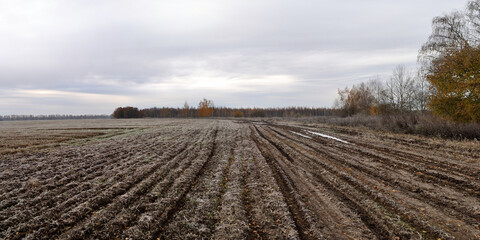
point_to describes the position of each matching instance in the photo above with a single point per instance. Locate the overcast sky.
(91, 56)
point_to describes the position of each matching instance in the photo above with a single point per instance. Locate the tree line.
(170, 112)
(447, 83)
(206, 108)
(404, 91)
(51, 117)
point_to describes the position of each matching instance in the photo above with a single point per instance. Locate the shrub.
(238, 114)
(425, 124)
(128, 112)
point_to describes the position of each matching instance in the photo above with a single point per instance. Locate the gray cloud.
(59, 54)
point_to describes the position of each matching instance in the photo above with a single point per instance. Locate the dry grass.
(414, 123)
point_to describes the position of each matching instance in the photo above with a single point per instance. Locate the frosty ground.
(232, 179)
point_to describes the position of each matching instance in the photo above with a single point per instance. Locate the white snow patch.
(299, 134)
(327, 136)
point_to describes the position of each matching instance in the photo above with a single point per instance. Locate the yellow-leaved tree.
(205, 108)
(456, 81)
(451, 63)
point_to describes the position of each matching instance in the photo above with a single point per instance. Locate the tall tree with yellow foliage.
(205, 108)
(456, 78)
(451, 64)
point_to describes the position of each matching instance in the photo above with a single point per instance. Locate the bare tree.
(451, 33)
(186, 110)
(377, 89)
(422, 91)
(473, 23)
(400, 89)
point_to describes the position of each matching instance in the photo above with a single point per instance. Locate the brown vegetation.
(423, 124)
(238, 114)
(127, 112)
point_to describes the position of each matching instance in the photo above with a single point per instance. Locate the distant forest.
(50, 117)
(211, 111)
(189, 112)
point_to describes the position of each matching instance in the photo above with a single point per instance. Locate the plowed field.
(225, 179)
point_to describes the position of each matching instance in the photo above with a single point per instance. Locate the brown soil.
(220, 179)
